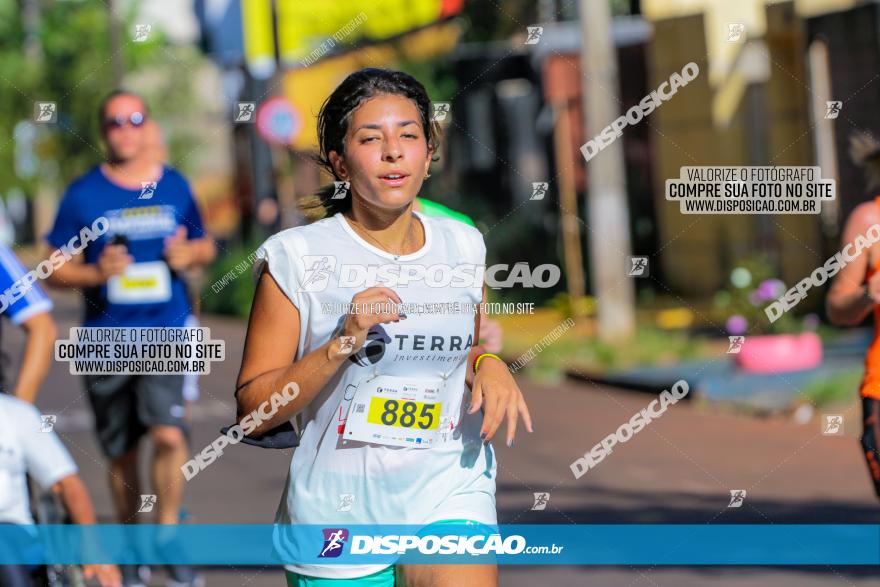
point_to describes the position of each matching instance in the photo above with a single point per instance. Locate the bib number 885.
(404, 414)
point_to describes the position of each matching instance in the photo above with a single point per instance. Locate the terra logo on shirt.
(373, 349)
(378, 340)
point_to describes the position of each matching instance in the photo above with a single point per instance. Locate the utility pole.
(609, 236)
(568, 204)
(116, 65)
(30, 16)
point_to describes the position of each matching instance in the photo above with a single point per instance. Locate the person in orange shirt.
(855, 293)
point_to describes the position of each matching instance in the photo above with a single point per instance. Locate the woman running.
(390, 434)
(855, 293)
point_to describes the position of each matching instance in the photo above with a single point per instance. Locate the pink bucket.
(778, 353)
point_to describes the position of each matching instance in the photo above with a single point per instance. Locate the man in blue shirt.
(129, 276)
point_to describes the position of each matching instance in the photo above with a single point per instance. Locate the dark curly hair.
(335, 116)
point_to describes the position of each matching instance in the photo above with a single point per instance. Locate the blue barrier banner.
(523, 544)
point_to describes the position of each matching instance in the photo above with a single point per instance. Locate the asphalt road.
(680, 469)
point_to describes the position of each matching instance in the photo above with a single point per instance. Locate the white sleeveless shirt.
(338, 482)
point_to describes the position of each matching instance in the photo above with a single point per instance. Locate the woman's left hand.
(495, 388)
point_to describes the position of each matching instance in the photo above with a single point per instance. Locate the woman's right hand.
(113, 260)
(374, 305)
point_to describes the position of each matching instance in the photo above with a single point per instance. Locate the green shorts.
(387, 577)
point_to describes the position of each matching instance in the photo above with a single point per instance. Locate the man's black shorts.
(126, 406)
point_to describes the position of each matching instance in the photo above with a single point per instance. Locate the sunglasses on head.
(136, 119)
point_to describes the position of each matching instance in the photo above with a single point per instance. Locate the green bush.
(840, 387)
(233, 296)
(650, 346)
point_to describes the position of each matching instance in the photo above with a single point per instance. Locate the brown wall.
(698, 251)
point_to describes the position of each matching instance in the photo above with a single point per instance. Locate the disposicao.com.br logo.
(334, 542)
(432, 544)
(322, 271)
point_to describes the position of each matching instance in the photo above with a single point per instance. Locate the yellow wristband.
(480, 358)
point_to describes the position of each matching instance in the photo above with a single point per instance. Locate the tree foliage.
(67, 59)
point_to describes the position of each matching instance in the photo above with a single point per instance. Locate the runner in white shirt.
(28, 446)
(386, 433)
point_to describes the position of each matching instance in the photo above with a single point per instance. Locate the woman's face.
(386, 152)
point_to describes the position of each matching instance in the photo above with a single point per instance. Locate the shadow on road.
(650, 507)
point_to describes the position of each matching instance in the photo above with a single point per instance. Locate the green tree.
(69, 62)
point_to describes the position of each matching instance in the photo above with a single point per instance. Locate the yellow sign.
(307, 27)
(259, 40)
(308, 87)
